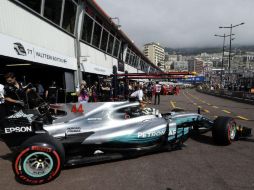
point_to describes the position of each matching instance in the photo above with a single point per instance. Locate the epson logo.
(18, 130)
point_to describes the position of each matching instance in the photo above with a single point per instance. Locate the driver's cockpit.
(132, 112)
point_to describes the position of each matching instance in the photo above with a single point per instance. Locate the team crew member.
(150, 92)
(138, 93)
(14, 94)
(157, 90)
(2, 106)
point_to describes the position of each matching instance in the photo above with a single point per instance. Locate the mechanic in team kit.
(2, 105)
(15, 95)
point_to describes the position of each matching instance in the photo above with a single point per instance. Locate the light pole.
(223, 50)
(231, 28)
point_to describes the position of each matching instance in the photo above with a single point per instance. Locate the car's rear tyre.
(224, 130)
(40, 160)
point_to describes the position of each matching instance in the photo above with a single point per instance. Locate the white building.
(64, 41)
(155, 53)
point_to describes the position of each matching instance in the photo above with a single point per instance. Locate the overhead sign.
(198, 79)
(19, 49)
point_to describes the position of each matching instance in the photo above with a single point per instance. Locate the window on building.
(96, 35)
(127, 56)
(116, 48)
(139, 63)
(52, 10)
(87, 29)
(69, 16)
(134, 61)
(33, 4)
(104, 40)
(110, 44)
(142, 66)
(121, 50)
(131, 59)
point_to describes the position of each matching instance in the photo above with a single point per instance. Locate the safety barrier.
(238, 96)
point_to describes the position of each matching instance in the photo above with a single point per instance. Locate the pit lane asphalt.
(199, 165)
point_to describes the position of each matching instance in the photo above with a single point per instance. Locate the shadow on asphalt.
(209, 139)
(247, 140)
(203, 139)
(8, 156)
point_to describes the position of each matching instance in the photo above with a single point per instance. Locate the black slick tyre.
(39, 160)
(224, 130)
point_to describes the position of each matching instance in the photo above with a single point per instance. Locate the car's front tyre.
(39, 161)
(224, 130)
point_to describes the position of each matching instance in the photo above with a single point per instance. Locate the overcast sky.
(183, 23)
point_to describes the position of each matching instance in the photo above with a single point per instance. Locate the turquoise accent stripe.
(37, 175)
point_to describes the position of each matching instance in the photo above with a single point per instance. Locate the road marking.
(215, 107)
(226, 111)
(215, 116)
(195, 104)
(199, 99)
(243, 118)
(207, 111)
(173, 104)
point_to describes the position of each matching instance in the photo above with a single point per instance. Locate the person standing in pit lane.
(138, 93)
(15, 95)
(2, 106)
(157, 92)
(83, 92)
(150, 92)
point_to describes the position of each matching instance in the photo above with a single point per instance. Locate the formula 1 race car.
(84, 133)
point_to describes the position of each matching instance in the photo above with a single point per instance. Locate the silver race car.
(45, 139)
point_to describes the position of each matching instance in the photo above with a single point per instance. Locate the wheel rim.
(232, 131)
(38, 164)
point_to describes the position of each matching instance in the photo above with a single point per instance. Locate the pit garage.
(31, 72)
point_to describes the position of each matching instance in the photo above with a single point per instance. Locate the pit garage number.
(77, 109)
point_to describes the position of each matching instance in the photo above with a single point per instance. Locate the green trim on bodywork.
(38, 175)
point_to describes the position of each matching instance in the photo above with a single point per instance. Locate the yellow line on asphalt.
(172, 104)
(207, 111)
(243, 118)
(197, 98)
(226, 111)
(215, 107)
